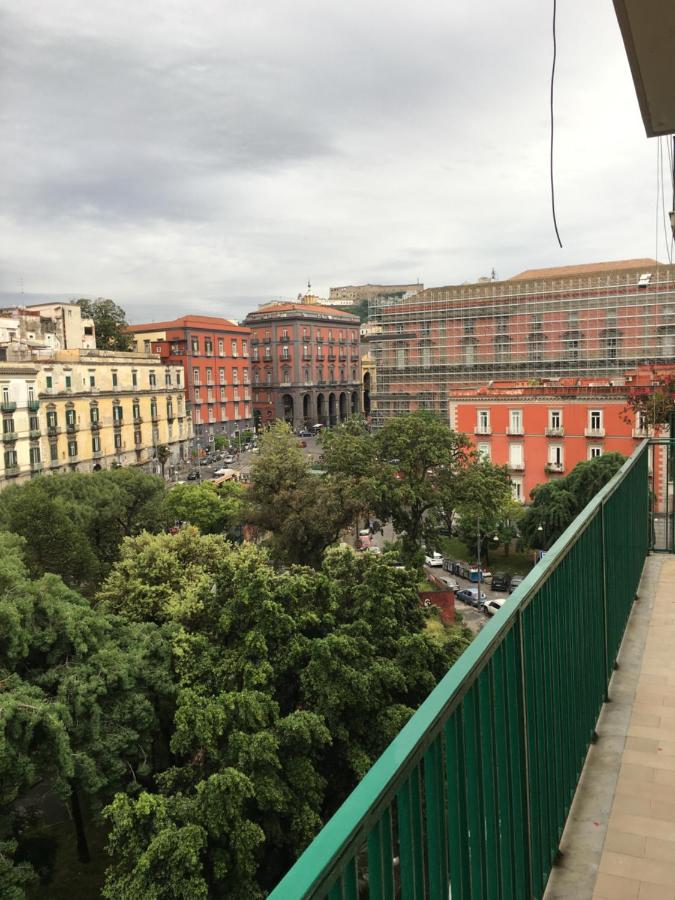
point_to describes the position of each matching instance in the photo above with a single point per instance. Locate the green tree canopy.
(289, 685)
(556, 503)
(654, 403)
(109, 321)
(211, 509)
(75, 523)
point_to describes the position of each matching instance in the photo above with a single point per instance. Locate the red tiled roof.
(308, 307)
(586, 269)
(215, 322)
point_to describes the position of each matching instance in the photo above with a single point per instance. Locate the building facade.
(84, 410)
(305, 364)
(43, 329)
(351, 294)
(595, 320)
(214, 354)
(541, 431)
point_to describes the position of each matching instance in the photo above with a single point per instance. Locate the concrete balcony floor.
(619, 842)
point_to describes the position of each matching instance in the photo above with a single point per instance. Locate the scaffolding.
(578, 326)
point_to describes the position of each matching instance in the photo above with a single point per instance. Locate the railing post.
(605, 611)
(526, 754)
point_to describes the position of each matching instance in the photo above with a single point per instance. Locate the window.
(118, 441)
(178, 377)
(256, 354)
(594, 452)
(69, 382)
(33, 423)
(11, 459)
(319, 352)
(70, 417)
(208, 346)
(426, 357)
(195, 376)
(34, 454)
(287, 376)
(31, 394)
(146, 346)
(236, 410)
(136, 410)
(517, 489)
(246, 376)
(284, 334)
(401, 358)
(118, 413)
(234, 348)
(235, 376)
(469, 352)
(54, 451)
(256, 377)
(195, 345)
(7, 425)
(483, 450)
(72, 449)
(483, 422)
(554, 418)
(244, 348)
(96, 444)
(516, 421)
(114, 379)
(134, 379)
(221, 347)
(268, 352)
(306, 376)
(555, 455)
(93, 414)
(138, 439)
(209, 375)
(284, 353)
(50, 382)
(269, 378)
(595, 419)
(5, 395)
(222, 393)
(52, 420)
(92, 381)
(611, 346)
(167, 378)
(516, 456)
(221, 376)
(153, 409)
(153, 380)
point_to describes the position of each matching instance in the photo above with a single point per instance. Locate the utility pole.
(478, 554)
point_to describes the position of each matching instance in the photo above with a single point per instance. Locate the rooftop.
(314, 310)
(618, 265)
(186, 322)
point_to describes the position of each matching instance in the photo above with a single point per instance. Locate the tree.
(211, 509)
(74, 524)
(654, 403)
(556, 504)
(109, 321)
(289, 685)
(82, 691)
(163, 456)
(299, 513)
(483, 502)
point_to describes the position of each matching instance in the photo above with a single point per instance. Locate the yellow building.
(368, 369)
(104, 408)
(84, 410)
(21, 429)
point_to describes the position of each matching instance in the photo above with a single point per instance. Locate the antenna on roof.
(309, 286)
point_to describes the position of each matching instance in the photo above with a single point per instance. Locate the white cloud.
(210, 156)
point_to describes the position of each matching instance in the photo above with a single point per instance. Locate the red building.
(305, 363)
(542, 430)
(214, 353)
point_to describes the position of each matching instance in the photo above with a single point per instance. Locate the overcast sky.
(210, 155)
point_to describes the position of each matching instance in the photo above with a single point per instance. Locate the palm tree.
(163, 455)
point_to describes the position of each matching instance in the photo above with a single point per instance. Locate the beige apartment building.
(83, 409)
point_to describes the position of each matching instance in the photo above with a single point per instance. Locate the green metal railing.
(471, 798)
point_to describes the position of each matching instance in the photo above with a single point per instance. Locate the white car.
(493, 606)
(223, 471)
(434, 559)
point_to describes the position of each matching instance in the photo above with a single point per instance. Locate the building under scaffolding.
(599, 319)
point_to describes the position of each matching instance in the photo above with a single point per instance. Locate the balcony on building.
(9, 437)
(515, 432)
(554, 468)
(594, 432)
(8, 407)
(516, 466)
(33, 405)
(37, 466)
(482, 429)
(95, 424)
(640, 433)
(473, 795)
(53, 430)
(11, 471)
(554, 432)
(34, 433)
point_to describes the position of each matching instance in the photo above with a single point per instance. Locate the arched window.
(287, 376)
(353, 374)
(306, 376)
(256, 376)
(331, 374)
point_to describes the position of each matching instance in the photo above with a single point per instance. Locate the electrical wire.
(555, 53)
(666, 225)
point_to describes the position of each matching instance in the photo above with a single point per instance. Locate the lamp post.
(478, 552)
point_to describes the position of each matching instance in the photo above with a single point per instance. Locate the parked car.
(306, 433)
(472, 597)
(493, 606)
(228, 460)
(515, 581)
(434, 559)
(205, 461)
(501, 581)
(194, 476)
(450, 583)
(223, 470)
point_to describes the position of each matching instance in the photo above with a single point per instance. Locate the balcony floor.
(619, 843)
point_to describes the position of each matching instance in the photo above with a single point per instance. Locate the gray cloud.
(213, 155)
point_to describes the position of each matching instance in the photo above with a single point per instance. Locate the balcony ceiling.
(648, 29)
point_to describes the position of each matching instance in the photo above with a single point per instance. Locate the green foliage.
(483, 504)
(654, 403)
(163, 456)
(209, 508)
(82, 692)
(75, 523)
(109, 321)
(557, 503)
(289, 685)
(299, 514)
(220, 442)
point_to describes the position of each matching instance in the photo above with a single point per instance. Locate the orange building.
(541, 430)
(214, 353)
